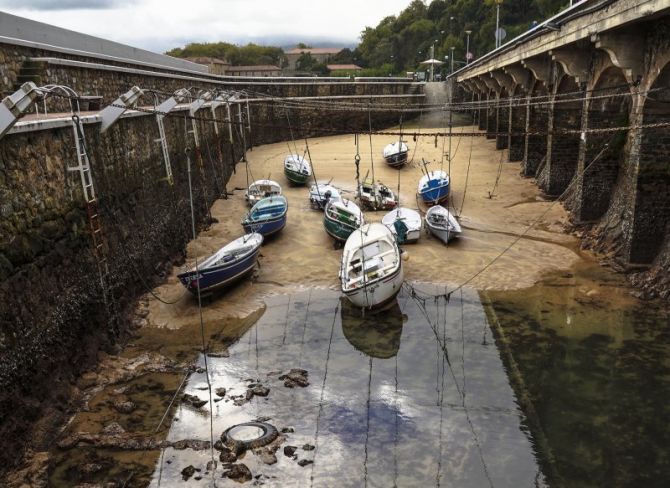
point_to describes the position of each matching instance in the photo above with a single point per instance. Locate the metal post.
(452, 58)
(467, 48)
(432, 56)
(497, 36)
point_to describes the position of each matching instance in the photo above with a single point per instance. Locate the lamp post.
(467, 47)
(452, 57)
(498, 40)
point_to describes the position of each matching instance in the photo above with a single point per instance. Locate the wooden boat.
(371, 270)
(442, 223)
(321, 193)
(260, 189)
(267, 217)
(297, 169)
(229, 264)
(341, 218)
(406, 220)
(395, 154)
(376, 196)
(434, 187)
(376, 334)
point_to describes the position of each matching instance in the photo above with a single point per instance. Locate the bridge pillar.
(537, 123)
(521, 78)
(491, 109)
(506, 84)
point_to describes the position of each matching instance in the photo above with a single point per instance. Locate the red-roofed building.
(321, 54)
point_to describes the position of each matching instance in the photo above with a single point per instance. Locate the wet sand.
(303, 255)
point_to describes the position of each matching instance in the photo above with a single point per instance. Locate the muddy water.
(550, 374)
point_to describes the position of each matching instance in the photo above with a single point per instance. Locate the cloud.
(62, 4)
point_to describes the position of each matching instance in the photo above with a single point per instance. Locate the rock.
(227, 456)
(211, 465)
(289, 451)
(266, 456)
(287, 430)
(238, 472)
(305, 462)
(90, 468)
(187, 472)
(113, 429)
(193, 400)
(220, 392)
(295, 377)
(308, 447)
(218, 445)
(261, 391)
(125, 406)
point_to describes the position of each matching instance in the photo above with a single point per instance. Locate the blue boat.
(434, 187)
(229, 264)
(267, 217)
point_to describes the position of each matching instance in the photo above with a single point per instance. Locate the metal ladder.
(92, 210)
(162, 140)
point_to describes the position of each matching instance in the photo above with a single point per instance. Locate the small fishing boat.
(341, 218)
(267, 217)
(297, 169)
(321, 193)
(404, 223)
(371, 271)
(442, 223)
(434, 187)
(376, 196)
(260, 189)
(227, 265)
(395, 154)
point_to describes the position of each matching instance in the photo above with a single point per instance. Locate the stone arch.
(538, 120)
(563, 153)
(502, 119)
(517, 124)
(651, 217)
(613, 111)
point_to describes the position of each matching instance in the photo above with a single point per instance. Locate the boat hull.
(218, 277)
(442, 234)
(296, 177)
(396, 160)
(267, 227)
(337, 230)
(377, 293)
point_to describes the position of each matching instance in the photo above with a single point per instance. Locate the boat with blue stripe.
(267, 217)
(229, 264)
(434, 187)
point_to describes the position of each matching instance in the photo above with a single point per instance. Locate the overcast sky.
(159, 25)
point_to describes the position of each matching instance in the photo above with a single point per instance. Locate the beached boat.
(267, 216)
(434, 187)
(297, 169)
(376, 196)
(321, 194)
(395, 154)
(442, 223)
(341, 218)
(260, 189)
(404, 223)
(229, 264)
(375, 333)
(371, 270)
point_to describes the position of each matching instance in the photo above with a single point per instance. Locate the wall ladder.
(162, 140)
(93, 212)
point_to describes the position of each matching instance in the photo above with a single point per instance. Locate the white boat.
(371, 271)
(321, 194)
(297, 169)
(376, 196)
(411, 220)
(395, 154)
(260, 189)
(442, 223)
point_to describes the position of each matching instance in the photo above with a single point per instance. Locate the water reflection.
(377, 333)
(410, 397)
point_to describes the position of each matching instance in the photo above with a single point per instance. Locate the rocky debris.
(211, 466)
(238, 472)
(289, 451)
(305, 462)
(266, 456)
(260, 390)
(220, 354)
(193, 400)
(308, 447)
(187, 472)
(89, 469)
(287, 430)
(194, 444)
(220, 392)
(295, 377)
(124, 406)
(227, 456)
(113, 429)
(112, 437)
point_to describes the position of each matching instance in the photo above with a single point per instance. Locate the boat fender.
(404, 255)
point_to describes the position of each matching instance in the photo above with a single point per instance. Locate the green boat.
(297, 169)
(341, 218)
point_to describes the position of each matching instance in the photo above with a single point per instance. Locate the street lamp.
(467, 47)
(497, 34)
(452, 57)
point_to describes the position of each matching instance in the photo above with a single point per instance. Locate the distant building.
(343, 69)
(321, 54)
(216, 66)
(258, 70)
